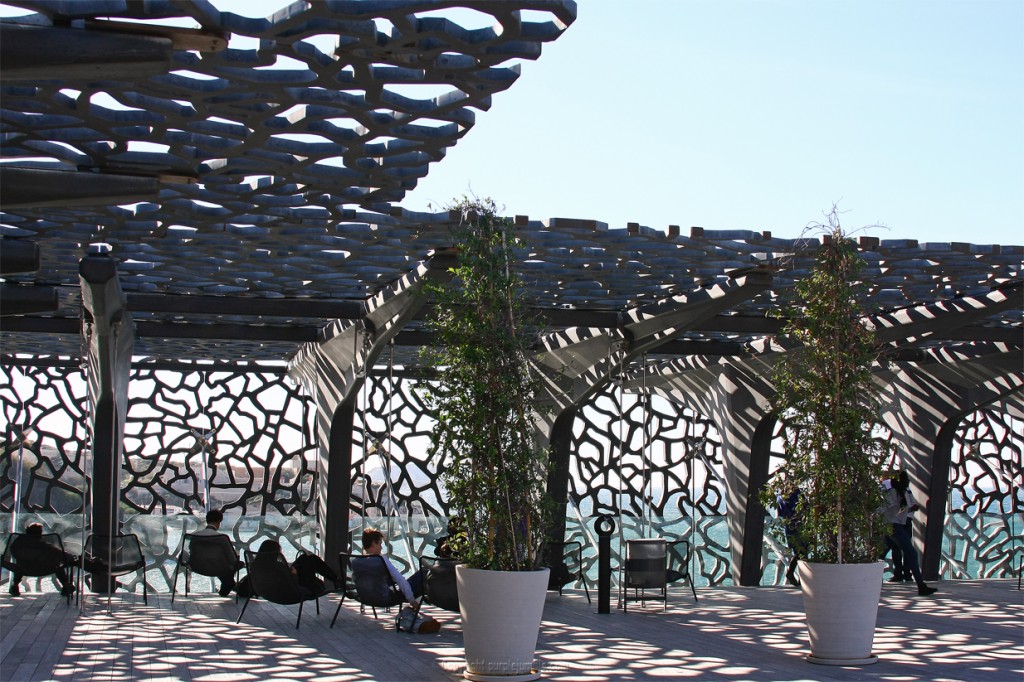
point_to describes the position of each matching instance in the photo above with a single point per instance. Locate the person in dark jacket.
(214, 518)
(309, 570)
(899, 504)
(31, 548)
(789, 513)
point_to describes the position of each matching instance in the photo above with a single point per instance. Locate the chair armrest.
(571, 548)
(684, 556)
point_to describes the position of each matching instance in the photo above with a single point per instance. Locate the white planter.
(501, 614)
(841, 605)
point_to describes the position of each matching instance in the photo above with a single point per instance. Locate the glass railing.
(708, 538)
(987, 545)
(982, 545)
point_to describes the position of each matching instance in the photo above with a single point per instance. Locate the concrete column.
(335, 480)
(558, 483)
(110, 336)
(334, 369)
(737, 403)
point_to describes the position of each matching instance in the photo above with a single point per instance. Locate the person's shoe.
(224, 592)
(15, 590)
(896, 579)
(923, 590)
(67, 591)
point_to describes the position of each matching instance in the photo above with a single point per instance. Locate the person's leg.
(227, 583)
(416, 583)
(308, 567)
(791, 571)
(305, 572)
(902, 539)
(15, 588)
(898, 568)
(890, 544)
(907, 575)
(791, 540)
(64, 581)
(318, 565)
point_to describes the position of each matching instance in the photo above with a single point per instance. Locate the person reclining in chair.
(307, 568)
(412, 589)
(214, 518)
(30, 548)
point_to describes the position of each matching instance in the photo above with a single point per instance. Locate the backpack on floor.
(410, 620)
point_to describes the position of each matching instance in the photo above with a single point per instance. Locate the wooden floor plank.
(971, 630)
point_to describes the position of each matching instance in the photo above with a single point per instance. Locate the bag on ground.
(409, 620)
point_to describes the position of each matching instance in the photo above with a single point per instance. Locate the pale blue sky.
(744, 114)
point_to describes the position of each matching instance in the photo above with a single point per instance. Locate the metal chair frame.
(574, 550)
(646, 568)
(429, 566)
(116, 556)
(185, 560)
(41, 567)
(350, 585)
(292, 591)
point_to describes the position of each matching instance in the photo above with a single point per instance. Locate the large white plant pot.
(841, 605)
(501, 614)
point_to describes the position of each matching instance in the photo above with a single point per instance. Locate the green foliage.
(828, 400)
(484, 399)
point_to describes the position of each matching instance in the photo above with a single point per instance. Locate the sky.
(760, 115)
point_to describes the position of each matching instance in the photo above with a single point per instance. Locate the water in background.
(975, 544)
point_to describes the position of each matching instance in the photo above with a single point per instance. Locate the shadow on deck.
(971, 630)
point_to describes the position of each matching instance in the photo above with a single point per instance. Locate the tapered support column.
(334, 369)
(739, 409)
(110, 336)
(336, 480)
(558, 482)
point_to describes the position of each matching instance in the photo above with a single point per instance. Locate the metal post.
(605, 526)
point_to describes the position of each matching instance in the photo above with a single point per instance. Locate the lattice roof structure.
(247, 175)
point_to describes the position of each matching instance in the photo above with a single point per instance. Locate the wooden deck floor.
(971, 630)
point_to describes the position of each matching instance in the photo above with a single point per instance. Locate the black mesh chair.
(38, 556)
(211, 555)
(367, 580)
(109, 556)
(440, 587)
(646, 571)
(271, 578)
(570, 569)
(679, 564)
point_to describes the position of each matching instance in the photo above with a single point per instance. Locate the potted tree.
(826, 397)
(484, 398)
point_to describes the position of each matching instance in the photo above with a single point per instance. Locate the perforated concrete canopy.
(247, 174)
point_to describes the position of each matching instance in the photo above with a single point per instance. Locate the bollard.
(604, 526)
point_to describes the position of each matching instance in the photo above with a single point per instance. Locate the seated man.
(31, 548)
(412, 589)
(214, 518)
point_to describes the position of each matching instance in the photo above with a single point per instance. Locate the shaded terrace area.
(245, 224)
(970, 631)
